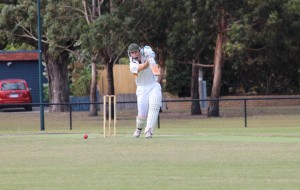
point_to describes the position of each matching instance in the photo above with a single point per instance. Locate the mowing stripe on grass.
(234, 138)
(181, 136)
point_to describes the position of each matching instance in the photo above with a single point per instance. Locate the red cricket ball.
(85, 136)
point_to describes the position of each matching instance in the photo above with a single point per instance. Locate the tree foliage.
(19, 22)
(264, 48)
(259, 49)
(81, 81)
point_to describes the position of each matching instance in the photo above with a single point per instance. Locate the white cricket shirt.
(144, 77)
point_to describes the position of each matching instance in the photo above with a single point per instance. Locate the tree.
(221, 13)
(188, 39)
(90, 10)
(266, 41)
(254, 43)
(154, 28)
(107, 36)
(58, 37)
(213, 108)
(191, 36)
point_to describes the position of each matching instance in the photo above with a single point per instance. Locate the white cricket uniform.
(146, 86)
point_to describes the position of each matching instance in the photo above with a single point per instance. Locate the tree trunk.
(110, 85)
(161, 63)
(195, 108)
(57, 70)
(93, 91)
(110, 78)
(213, 108)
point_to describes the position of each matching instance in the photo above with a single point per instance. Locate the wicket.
(109, 99)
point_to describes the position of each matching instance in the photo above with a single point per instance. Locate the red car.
(15, 91)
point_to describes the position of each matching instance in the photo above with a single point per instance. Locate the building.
(22, 65)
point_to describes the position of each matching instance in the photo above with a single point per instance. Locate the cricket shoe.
(137, 132)
(148, 134)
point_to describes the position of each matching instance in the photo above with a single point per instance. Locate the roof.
(11, 80)
(19, 55)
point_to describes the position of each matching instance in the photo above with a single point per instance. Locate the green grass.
(220, 158)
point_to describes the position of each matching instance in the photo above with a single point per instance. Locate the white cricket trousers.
(148, 96)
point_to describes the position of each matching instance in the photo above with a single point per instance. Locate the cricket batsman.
(149, 97)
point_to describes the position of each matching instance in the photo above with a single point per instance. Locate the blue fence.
(85, 100)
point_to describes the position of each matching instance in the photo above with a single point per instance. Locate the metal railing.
(238, 112)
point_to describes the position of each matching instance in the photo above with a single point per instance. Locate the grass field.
(213, 158)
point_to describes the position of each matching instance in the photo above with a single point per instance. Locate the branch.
(100, 2)
(229, 26)
(76, 9)
(29, 35)
(258, 49)
(119, 54)
(86, 12)
(196, 64)
(46, 42)
(27, 32)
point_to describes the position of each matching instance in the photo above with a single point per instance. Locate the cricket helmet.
(133, 47)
